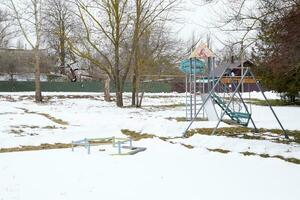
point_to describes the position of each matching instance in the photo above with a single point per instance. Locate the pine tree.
(277, 52)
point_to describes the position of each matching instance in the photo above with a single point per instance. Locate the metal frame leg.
(206, 99)
(231, 98)
(259, 87)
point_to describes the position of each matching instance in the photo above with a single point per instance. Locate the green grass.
(273, 102)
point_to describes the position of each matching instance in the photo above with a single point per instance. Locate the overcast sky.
(200, 20)
(195, 19)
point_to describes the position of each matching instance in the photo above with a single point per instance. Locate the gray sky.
(199, 20)
(194, 19)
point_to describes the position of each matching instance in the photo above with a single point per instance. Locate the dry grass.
(290, 160)
(36, 127)
(53, 119)
(249, 133)
(218, 150)
(136, 135)
(45, 146)
(183, 119)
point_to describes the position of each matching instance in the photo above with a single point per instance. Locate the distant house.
(234, 70)
(18, 64)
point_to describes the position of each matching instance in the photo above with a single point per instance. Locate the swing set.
(222, 92)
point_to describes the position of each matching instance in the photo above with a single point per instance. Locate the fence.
(87, 86)
(97, 86)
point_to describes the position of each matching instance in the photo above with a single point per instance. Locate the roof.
(217, 72)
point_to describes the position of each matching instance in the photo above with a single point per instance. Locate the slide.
(209, 108)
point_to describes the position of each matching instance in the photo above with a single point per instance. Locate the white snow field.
(166, 170)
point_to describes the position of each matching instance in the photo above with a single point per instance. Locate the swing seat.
(241, 118)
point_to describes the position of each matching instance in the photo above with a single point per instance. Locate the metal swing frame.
(236, 91)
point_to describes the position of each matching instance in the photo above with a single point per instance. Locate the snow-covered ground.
(163, 171)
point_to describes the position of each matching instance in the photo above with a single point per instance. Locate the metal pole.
(195, 92)
(242, 64)
(231, 98)
(259, 87)
(203, 91)
(186, 99)
(190, 89)
(119, 147)
(130, 142)
(255, 128)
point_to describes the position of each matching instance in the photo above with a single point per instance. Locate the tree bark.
(38, 93)
(107, 89)
(133, 90)
(119, 98)
(141, 100)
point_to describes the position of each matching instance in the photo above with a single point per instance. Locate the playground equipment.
(222, 92)
(119, 143)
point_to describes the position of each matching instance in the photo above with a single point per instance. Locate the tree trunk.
(137, 90)
(38, 93)
(141, 100)
(62, 49)
(133, 102)
(119, 98)
(107, 89)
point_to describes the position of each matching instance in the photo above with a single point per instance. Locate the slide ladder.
(241, 118)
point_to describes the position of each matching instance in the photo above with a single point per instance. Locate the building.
(18, 65)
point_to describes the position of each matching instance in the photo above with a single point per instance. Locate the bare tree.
(242, 19)
(59, 25)
(146, 14)
(159, 54)
(104, 26)
(113, 29)
(5, 31)
(29, 16)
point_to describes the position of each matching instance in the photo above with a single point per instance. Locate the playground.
(213, 142)
(230, 164)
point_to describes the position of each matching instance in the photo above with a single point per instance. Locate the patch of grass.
(273, 102)
(8, 113)
(247, 153)
(53, 127)
(165, 106)
(137, 135)
(248, 133)
(53, 119)
(291, 160)
(264, 155)
(183, 119)
(37, 127)
(16, 131)
(48, 98)
(187, 146)
(45, 146)
(163, 96)
(219, 150)
(7, 98)
(228, 131)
